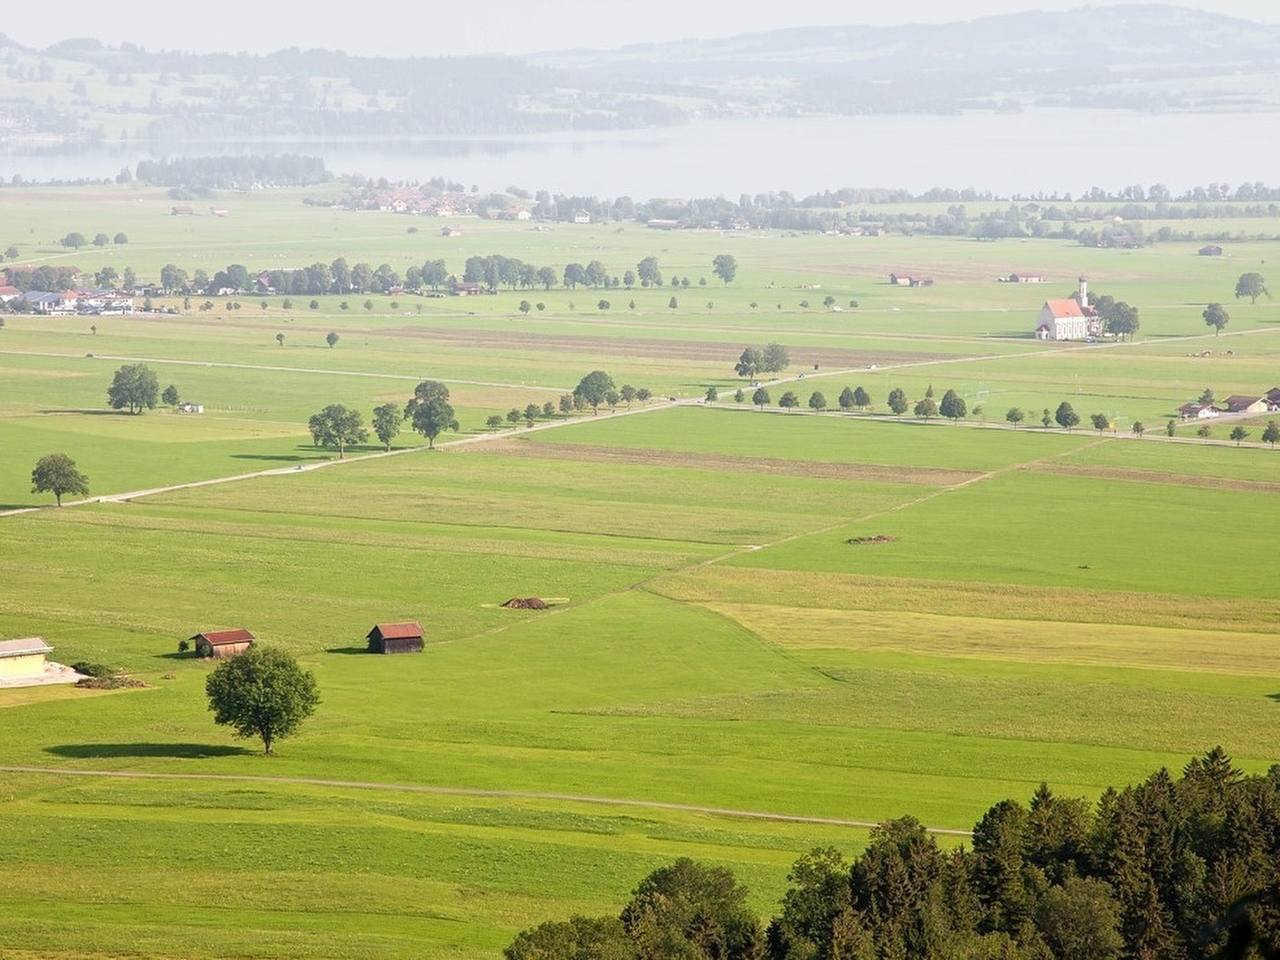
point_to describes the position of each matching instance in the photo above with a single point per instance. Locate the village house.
(1068, 319)
(1026, 278)
(8, 293)
(396, 638)
(222, 643)
(1198, 411)
(23, 659)
(581, 216)
(1246, 403)
(901, 278)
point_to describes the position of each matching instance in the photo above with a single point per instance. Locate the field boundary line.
(472, 792)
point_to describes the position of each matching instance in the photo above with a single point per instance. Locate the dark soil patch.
(877, 538)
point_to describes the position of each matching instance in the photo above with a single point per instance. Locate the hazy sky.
(397, 28)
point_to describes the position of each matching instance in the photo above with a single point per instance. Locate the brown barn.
(222, 643)
(396, 638)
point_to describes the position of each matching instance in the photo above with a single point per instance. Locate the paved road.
(470, 792)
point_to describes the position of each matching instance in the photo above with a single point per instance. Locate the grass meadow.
(1077, 608)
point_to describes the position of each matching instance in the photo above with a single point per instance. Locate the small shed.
(20, 659)
(1210, 250)
(396, 637)
(222, 643)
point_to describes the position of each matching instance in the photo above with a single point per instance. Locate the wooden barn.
(396, 638)
(23, 659)
(222, 643)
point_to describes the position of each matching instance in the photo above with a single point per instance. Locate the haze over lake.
(1039, 151)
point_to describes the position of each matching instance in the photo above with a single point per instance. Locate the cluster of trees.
(76, 240)
(771, 358)
(200, 174)
(1184, 868)
(53, 279)
(1117, 316)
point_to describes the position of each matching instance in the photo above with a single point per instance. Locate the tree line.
(1174, 868)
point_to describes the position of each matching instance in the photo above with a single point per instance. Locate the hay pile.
(525, 603)
(878, 538)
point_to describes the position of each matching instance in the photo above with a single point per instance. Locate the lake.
(1040, 151)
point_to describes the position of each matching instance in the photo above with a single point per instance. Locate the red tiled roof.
(1064, 308)
(216, 637)
(399, 631)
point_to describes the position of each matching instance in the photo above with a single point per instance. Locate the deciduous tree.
(56, 473)
(1251, 285)
(1272, 433)
(1100, 421)
(952, 406)
(386, 423)
(817, 402)
(1216, 316)
(331, 338)
(430, 411)
(749, 363)
(760, 398)
(594, 388)
(134, 386)
(1065, 416)
(262, 693)
(725, 266)
(1015, 416)
(926, 408)
(1239, 433)
(337, 426)
(898, 401)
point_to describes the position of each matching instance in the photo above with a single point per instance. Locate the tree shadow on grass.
(279, 457)
(348, 651)
(92, 413)
(1274, 696)
(105, 751)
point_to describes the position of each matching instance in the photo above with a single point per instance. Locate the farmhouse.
(581, 216)
(1198, 411)
(1246, 403)
(905, 279)
(8, 293)
(1026, 278)
(396, 638)
(222, 643)
(23, 659)
(1068, 319)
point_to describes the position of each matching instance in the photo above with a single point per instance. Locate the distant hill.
(1148, 57)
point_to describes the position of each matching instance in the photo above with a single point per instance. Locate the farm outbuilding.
(24, 658)
(222, 643)
(396, 637)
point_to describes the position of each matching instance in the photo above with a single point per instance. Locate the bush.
(99, 671)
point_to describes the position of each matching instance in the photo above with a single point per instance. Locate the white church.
(1068, 319)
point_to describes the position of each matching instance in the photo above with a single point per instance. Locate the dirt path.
(472, 792)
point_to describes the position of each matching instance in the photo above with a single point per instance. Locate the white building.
(1067, 319)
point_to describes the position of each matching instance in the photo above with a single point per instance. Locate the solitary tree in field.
(952, 406)
(1271, 434)
(594, 388)
(1215, 316)
(280, 339)
(262, 693)
(337, 426)
(134, 386)
(1251, 285)
(1239, 433)
(817, 402)
(725, 266)
(170, 396)
(898, 401)
(1100, 421)
(386, 423)
(1138, 429)
(331, 338)
(1015, 416)
(1066, 416)
(430, 412)
(56, 473)
(760, 398)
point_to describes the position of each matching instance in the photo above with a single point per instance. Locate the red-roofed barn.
(396, 638)
(222, 643)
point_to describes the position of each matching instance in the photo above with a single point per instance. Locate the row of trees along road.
(492, 271)
(1184, 868)
(431, 414)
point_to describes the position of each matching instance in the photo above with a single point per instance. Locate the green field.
(1071, 607)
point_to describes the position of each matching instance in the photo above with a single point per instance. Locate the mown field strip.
(473, 792)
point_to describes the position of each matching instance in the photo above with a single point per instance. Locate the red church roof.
(1064, 308)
